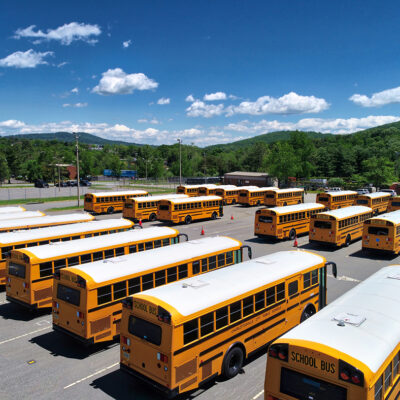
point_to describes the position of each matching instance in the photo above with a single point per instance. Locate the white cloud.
(60, 65)
(75, 105)
(388, 96)
(12, 123)
(215, 96)
(65, 34)
(116, 81)
(27, 59)
(200, 109)
(126, 44)
(163, 101)
(189, 98)
(75, 90)
(290, 103)
(153, 121)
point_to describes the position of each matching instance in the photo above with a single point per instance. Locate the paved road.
(36, 362)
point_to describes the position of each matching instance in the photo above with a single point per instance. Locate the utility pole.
(180, 162)
(77, 164)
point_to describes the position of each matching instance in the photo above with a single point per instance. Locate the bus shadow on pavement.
(318, 247)
(262, 240)
(370, 255)
(59, 345)
(19, 313)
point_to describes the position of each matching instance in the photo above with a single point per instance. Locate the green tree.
(282, 162)
(4, 170)
(379, 171)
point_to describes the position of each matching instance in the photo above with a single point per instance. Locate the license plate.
(126, 355)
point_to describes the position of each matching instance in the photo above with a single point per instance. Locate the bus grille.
(43, 293)
(185, 370)
(99, 325)
(189, 383)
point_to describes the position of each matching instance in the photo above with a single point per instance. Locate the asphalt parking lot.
(36, 362)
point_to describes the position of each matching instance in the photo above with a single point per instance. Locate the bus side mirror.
(183, 235)
(334, 268)
(249, 251)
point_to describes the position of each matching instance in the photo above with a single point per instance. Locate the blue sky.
(204, 71)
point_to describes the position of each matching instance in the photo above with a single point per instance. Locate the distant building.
(242, 178)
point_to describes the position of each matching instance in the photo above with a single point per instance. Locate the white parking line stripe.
(258, 395)
(345, 278)
(26, 334)
(89, 376)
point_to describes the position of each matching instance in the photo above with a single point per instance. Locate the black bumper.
(33, 307)
(160, 388)
(86, 342)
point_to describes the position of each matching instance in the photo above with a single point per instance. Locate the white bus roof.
(338, 193)
(59, 249)
(190, 186)
(209, 186)
(195, 294)
(158, 197)
(19, 215)
(45, 220)
(259, 189)
(60, 230)
(288, 190)
(375, 195)
(11, 209)
(193, 199)
(104, 270)
(227, 187)
(295, 208)
(377, 300)
(346, 212)
(247, 187)
(121, 193)
(393, 217)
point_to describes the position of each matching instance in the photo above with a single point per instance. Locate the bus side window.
(280, 292)
(260, 300)
(248, 306)
(271, 296)
(160, 278)
(65, 239)
(212, 262)
(140, 246)
(46, 269)
(190, 331)
(306, 280)
(147, 282)
(119, 290)
(133, 286)
(229, 257)
(98, 255)
(206, 324)
(171, 274)
(157, 243)
(104, 294)
(221, 317)
(149, 245)
(109, 253)
(196, 267)
(165, 242)
(60, 264)
(378, 388)
(221, 260)
(73, 261)
(132, 248)
(293, 288)
(204, 265)
(182, 271)
(314, 277)
(235, 311)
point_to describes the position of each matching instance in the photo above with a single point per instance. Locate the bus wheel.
(152, 217)
(233, 362)
(258, 202)
(233, 202)
(299, 202)
(110, 210)
(307, 313)
(188, 219)
(214, 215)
(348, 241)
(292, 234)
(285, 204)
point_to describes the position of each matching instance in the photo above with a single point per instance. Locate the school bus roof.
(122, 193)
(26, 223)
(393, 217)
(11, 209)
(377, 300)
(19, 215)
(104, 270)
(288, 190)
(375, 195)
(63, 249)
(195, 294)
(338, 193)
(247, 187)
(227, 187)
(258, 189)
(345, 212)
(54, 231)
(209, 186)
(295, 208)
(157, 198)
(194, 199)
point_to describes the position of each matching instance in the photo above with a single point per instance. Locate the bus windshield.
(264, 218)
(378, 230)
(16, 270)
(361, 201)
(302, 386)
(145, 330)
(164, 207)
(68, 294)
(323, 224)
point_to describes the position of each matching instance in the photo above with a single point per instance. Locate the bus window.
(235, 311)
(147, 282)
(196, 267)
(221, 317)
(145, 330)
(206, 324)
(85, 258)
(98, 255)
(45, 269)
(133, 286)
(190, 331)
(160, 278)
(73, 261)
(171, 274)
(104, 294)
(260, 300)
(141, 247)
(119, 290)
(212, 262)
(323, 224)
(109, 253)
(182, 271)
(204, 265)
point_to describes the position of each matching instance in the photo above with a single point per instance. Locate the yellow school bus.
(97, 289)
(43, 221)
(190, 190)
(38, 237)
(179, 336)
(348, 351)
(339, 227)
(378, 201)
(21, 215)
(145, 208)
(188, 210)
(109, 202)
(283, 197)
(228, 193)
(382, 233)
(253, 196)
(338, 199)
(394, 204)
(29, 276)
(285, 222)
(207, 190)
(6, 210)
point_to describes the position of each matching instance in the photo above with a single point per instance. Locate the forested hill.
(67, 137)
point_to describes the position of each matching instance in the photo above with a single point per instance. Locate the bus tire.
(348, 241)
(188, 219)
(214, 215)
(285, 204)
(110, 210)
(258, 203)
(292, 234)
(152, 217)
(233, 202)
(308, 312)
(233, 362)
(299, 202)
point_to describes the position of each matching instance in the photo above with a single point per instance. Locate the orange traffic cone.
(140, 223)
(295, 244)
(232, 217)
(202, 231)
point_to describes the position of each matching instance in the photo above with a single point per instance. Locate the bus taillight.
(162, 357)
(350, 374)
(55, 304)
(127, 303)
(80, 281)
(80, 314)
(125, 340)
(25, 285)
(279, 351)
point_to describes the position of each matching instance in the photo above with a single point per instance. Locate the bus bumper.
(378, 251)
(22, 303)
(160, 388)
(322, 243)
(86, 342)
